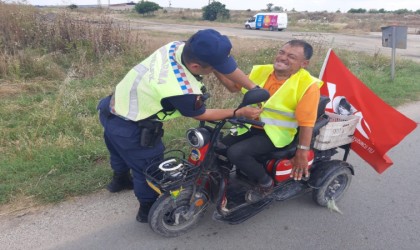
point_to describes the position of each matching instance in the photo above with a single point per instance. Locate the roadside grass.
(51, 145)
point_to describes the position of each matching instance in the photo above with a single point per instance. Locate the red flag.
(380, 127)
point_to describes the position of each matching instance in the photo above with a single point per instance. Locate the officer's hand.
(249, 112)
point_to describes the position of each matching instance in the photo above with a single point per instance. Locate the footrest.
(244, 213)
(289, 190)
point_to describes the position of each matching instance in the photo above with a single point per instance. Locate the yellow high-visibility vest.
(279, 110)
(138, 95)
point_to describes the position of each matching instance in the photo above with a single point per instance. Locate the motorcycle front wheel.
(171, 217)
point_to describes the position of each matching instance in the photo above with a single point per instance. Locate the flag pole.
(321, 73)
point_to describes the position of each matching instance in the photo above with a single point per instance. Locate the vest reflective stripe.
(289, 114)
(133, 104)
(285, 124)
(164, 69)
(139, 94)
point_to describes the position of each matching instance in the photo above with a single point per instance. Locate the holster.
(151, 132)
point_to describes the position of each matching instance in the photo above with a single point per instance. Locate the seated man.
(294, 97)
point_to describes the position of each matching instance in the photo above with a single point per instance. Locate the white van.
(271, 21)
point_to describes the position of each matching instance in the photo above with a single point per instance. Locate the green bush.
(72, 6)
(360, 10)
(215, 10)
(146, 7)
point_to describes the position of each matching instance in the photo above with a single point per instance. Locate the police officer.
(165, 85)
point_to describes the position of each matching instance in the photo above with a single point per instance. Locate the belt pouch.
(151, 132)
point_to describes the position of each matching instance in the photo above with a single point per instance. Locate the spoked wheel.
(172, 217)
(333, 188)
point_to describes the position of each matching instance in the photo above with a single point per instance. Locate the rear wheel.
(247, 27)
(333, 188)
(172, 217)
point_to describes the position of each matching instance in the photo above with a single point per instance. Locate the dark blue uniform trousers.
(122, 138)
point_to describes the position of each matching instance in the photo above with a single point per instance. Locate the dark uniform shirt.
(187, 105)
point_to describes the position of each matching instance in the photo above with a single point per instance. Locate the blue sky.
(299, 5)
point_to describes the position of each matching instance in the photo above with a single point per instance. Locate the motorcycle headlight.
(198, 137)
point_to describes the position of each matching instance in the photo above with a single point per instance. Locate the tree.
(278, 8)
(215, 10)
(402, 11)
(72, 6)
(360, 10)
(269, 6)
(373, 11)
(146, 7)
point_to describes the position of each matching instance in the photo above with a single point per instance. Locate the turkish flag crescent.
(380, 127)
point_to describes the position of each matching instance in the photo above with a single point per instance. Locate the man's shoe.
(259, 193)
(143, 213)
(120, 182)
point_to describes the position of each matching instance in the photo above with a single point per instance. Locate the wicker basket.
(339, 131)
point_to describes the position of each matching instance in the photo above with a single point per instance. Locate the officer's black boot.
(120, 182)
(143, 212)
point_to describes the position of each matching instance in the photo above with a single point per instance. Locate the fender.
(322, 170)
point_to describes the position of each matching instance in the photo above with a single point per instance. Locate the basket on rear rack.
(172, 172)
(338, 131)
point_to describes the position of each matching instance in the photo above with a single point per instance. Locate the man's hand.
(249, 112)
(300, 165)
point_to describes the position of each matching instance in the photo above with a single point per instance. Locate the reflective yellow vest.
(138, 95)
(279, 111)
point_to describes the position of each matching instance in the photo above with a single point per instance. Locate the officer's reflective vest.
(138, 95)
(279, 111)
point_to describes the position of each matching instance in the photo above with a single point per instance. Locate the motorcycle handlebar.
(243, 120)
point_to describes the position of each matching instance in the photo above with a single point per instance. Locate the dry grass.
(20, 206)
(29, 36)
(8, 89)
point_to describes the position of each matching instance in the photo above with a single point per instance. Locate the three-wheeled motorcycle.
(187, 184)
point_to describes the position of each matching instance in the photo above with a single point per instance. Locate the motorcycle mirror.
(254, 96)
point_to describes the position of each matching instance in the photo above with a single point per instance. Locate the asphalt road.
(378, 212)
